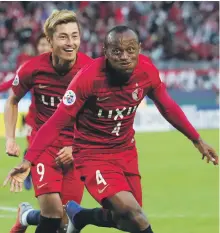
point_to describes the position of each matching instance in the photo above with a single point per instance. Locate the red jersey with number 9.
(48, 88)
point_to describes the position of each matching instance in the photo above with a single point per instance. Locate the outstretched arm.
(176, 117)
(172, 112)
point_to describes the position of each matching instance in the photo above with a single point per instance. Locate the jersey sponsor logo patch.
(137, 94)
(69, 98)
(15, 81)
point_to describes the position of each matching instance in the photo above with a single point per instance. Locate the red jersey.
(30, 117)
(48, 88)
(105, 114)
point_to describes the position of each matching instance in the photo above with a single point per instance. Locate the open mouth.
(68, 50)
(126, 64)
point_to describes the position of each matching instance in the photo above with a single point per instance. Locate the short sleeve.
(22, 82)
(78, 91)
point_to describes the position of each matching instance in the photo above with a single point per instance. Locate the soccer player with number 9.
(48, 75)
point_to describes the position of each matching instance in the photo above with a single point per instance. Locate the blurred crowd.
(186, 31)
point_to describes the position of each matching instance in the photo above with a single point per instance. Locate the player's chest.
(49, 90)
(119, 103)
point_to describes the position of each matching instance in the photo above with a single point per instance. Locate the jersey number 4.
(117, 129)
(99, 178)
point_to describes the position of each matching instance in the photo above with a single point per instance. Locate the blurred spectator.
(186, 31)
(27, 51)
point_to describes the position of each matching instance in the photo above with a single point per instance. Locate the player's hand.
(17, 176)
(12, 149)
(65, 156)
(207, 151)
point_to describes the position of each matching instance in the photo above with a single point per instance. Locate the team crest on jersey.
(15, 81)
(137, 94)
(69, 97)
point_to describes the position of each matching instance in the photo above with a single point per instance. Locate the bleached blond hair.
(59, 17)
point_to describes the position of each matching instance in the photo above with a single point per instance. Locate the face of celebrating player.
(43, 46)
(122, 50)
(65, 42)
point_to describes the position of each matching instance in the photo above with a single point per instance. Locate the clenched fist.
(12, 149)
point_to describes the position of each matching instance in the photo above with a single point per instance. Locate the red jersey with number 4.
(48, 88)
(105, 114)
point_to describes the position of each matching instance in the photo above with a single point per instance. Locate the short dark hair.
(41, 36)
(119, 29)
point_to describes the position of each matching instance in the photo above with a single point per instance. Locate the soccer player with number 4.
(101, 101)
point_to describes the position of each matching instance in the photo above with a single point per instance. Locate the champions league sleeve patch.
(15, 81)
(69, 98)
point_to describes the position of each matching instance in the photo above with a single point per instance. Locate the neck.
(60, 65)
(116, 77)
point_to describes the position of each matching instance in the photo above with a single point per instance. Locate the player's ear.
(49, 41)
(104, 51)
(140, 47)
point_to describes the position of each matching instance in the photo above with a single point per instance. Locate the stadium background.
(182, 39)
